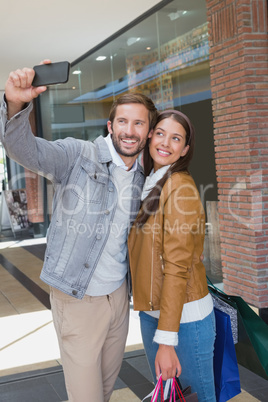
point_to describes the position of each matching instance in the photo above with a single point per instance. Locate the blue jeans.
(195, 352)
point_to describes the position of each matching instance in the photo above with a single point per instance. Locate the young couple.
(100, 184)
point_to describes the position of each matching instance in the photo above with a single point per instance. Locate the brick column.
(239, 83)
(34, 187)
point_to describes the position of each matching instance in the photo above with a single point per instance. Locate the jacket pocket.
(89, 183)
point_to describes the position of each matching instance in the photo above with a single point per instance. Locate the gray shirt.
(112, 266)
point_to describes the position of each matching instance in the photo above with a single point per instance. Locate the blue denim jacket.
(84, 201)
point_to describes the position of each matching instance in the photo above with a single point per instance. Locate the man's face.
(130, 129)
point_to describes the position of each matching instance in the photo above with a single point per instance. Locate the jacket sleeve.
(52, 159)
(181, 211)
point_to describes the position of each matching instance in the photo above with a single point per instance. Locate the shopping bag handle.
(215, 287)
(167, 387)
(164, 393)
(155, 391)
(175, 387)
(219, 293)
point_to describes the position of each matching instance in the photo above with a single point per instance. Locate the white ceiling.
(33, 30)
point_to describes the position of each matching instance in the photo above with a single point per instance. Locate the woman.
(165, 245)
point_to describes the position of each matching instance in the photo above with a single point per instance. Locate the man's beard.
(120, 151)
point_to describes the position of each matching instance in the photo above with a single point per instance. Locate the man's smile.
(129, 141)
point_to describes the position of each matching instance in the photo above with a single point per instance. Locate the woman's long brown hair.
(151, 202)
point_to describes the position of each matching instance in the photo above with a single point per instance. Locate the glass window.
(165, 56)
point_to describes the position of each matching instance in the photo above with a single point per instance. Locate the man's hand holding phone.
(26, 84)
(19, 89)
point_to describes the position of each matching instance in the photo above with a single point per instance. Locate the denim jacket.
(84, 202)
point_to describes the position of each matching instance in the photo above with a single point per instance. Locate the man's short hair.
(136, 98)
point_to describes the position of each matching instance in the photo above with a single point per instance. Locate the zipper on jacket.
(162, 262)
(152, 264)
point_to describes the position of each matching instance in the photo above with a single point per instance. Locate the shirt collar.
(117, 160)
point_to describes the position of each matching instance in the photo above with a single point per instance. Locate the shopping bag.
(177, 393)
(252, 346)
(226, 374)
(231, 310)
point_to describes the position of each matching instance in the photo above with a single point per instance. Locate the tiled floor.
(30, 368)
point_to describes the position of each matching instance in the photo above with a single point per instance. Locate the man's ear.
(109, 126)
(186, 149)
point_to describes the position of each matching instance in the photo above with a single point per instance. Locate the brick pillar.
(34, 187)
(239, 83)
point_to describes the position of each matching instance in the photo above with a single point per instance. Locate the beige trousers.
(92, 334)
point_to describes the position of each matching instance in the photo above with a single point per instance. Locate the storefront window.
(165, 56)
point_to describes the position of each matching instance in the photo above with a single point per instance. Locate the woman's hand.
(167, 362)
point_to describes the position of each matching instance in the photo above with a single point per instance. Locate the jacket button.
(98, 237)
(111, 189)
(74, 292)
(86, 265)
(107, 212)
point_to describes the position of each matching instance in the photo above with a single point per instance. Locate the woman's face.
(167, 143)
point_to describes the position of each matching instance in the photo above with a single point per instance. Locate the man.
(97, 196)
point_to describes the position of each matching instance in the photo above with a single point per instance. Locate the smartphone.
(50, 74)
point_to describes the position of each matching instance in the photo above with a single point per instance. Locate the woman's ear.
(186, 149)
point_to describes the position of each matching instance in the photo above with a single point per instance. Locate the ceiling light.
(132, 40)
(100, 58)
(148, 48)
(77, 72)
(178, 14)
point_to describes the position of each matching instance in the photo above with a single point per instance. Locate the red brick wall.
(34, 188)
(239, 83)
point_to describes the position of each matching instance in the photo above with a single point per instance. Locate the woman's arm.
(181, 215)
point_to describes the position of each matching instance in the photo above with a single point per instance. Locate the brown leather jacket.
(165, 253)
